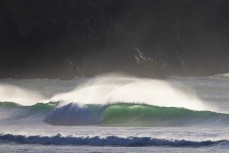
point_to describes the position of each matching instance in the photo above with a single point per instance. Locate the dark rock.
(147, 38)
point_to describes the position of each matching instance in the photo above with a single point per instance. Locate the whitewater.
(115, 113)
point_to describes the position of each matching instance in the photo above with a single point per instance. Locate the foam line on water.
(107, 141)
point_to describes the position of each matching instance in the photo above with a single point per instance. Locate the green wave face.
(37, 106)
(117, 114)
(13, 111)
(146, 115)
(9, 105)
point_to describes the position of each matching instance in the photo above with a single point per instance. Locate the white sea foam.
(224, 75)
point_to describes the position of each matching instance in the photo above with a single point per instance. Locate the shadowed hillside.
(146, 38)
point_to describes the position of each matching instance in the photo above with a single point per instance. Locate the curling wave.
(126, 114)
(106, 141)
(115, 114)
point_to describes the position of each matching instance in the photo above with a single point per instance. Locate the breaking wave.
(106, 141)
(125, 114)
(115, 114)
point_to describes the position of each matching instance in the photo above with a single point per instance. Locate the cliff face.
(148, 38)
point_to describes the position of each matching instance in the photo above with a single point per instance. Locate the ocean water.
(114, 113)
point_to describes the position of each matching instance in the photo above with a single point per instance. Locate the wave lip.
(107, 141)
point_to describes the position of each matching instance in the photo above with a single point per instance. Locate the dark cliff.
(146, 38)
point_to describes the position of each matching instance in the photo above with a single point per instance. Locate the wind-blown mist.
(12, 93)
(103, 90)
(112, 89)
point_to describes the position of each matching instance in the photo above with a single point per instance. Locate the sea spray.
(12, 93)
(99, 90)
(110, 89)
